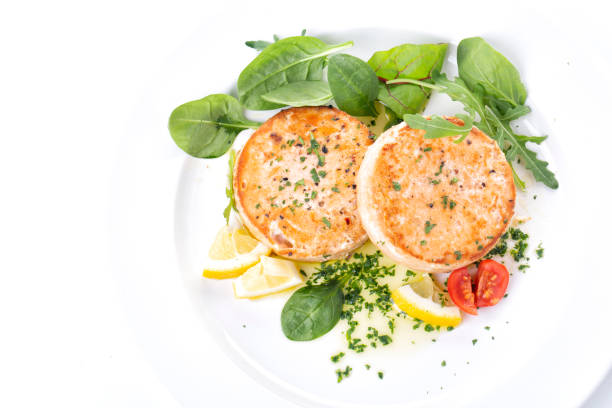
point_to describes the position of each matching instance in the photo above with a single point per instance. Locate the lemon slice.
(232, 253)
(270, 275)
(423, 300)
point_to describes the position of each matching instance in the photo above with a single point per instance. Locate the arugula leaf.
(515, 113)
(353, 84)
(514, 146)
(301, 93)
(488, 72)
(206, 128)
(312, 311)
(257, 45)
(458, 91)
(292, 59)
(437, 126)
(229, 190)
(406, 61)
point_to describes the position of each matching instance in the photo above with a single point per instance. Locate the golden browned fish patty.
(294, 183)
(431, 204)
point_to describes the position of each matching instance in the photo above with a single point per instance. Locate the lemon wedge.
(232, 253)
(270, 275)
(423, 300)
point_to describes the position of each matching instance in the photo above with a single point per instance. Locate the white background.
(71, 73)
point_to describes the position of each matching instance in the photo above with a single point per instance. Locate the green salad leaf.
(488, 72)
(403, 99)
(437, 127)
(353, 84)
(407, 61)
(514, 146)
(291, 59)
(301, 93)
(229, 190)
(207, 127)
(415, 61)
(260, 45)
(312, 311)
(257, 45)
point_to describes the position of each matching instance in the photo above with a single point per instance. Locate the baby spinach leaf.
(437, 127)
(407, 61)
(353, 84)
(514, 146)
(301, 93)
(488, 72)
(312, 311)
(292, 59)
(229, 190)
(207, 127)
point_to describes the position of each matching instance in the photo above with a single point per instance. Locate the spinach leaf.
(207, 127)
(407, 61)
(312, 311)
(301, 93)
(229, 190)
(514, 146)
(353, 84)
(292, 59)
(437, 127)
(488, 72)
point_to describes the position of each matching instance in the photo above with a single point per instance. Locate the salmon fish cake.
(432, 204)
(294, 183)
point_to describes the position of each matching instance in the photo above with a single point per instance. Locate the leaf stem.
(403, 81)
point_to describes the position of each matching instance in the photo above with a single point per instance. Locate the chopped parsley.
(457, 255)
(452, 204)
(429, 226)
(427, 149)
(474, 341)
(397, 186)
(423, 242)
(540, 251)
(297, 184)
(342, 374)
(335, 189)
(315, 176)
(326, 222)
(454, 180)
(337, 357)
(443, 364)
(381, 375)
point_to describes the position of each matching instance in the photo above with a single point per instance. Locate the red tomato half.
(460, 290)
(491, 283)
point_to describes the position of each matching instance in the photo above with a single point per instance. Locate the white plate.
(168, 207)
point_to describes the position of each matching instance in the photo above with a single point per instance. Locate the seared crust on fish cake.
(431, 204)
(294, 183)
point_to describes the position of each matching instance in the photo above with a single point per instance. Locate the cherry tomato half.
(491, 283)
(460, 290)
